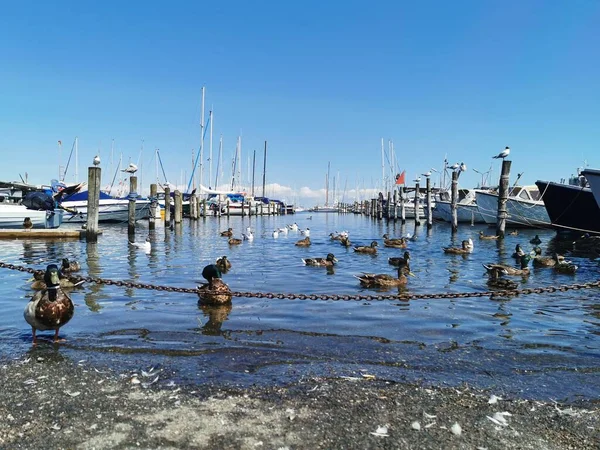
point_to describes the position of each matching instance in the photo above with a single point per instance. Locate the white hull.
(593, 178)
(464, 213)
(13, 215)
(109, 210)
(520, 212)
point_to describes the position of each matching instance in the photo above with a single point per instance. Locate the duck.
(50, 308)
(400, 260)
(328, 261)
(345, 241)
(234, 241)
(486, 236)
(305, 232)
(518, 252)
(536, 240)
(496, 281)
(335, 236)
(68, 266)
(65, 281)
(395, 243)
(383, 279)
(509, 270)
(303, 242)
(514, 233)
(27, 223)
(227, 233)
(145, 246)
(545, 261)
(248, 236)
(464, 249)
(564, 266)
(223, 263)
(216, 291)
(372, 249)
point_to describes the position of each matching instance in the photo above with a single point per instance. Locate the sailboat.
(327, 208)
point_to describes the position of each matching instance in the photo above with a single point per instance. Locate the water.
(536, 346)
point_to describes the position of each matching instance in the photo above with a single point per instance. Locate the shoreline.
(50, 402)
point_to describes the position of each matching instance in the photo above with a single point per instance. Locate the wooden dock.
(51, 233)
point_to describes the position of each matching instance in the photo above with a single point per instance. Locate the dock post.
(380, 206)
(178, 206)
(193, 207)
(91, 231)
(132, 197)
(417, 204)
(502, 199)
(428, 217)
(388, 208)
(153, 207)
(395, 213)
(167, 207)
(454, 201)
(402, 205)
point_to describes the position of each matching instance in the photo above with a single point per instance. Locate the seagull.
(463, 167)
(132, 168)
(146, 246)
(96, 160)
(249, 236)
(283, 230)
(427, 174)
(454, 166)
(305, 232)
(417, 180)
(275, 234)
(503, 154)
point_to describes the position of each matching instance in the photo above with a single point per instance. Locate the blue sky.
(319, 81)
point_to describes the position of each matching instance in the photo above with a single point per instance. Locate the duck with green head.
(69, 266)
(400, 260)
(536, 240)
(496, 281)
(328, 261)
(509, 270)
(214, 292)
(50, 308)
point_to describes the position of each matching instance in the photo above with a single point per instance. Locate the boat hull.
(12, 216)
(593, 178)
(109, 210)
(464, 213)
(571, 208)
(520, 213)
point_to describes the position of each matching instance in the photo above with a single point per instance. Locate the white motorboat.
(524, 207)
(466, 207)
(110, 209)
(12, 215)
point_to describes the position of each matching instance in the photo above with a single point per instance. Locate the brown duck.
(227, 233)
(223, 264)
(303, 242)
(214, 292)
(383, 279)
(372, 249)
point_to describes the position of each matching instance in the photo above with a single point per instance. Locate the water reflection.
(216, 314)
(93, 290)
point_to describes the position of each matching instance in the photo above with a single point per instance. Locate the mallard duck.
(518, 252)
(223, 264)
(545, 261)
(400, 260)
(514, 233)
(69, 266)
(464, 249)
(65, 281)
(215, 291)
(50, 308)
(227, 233)
(27, 223)
(536, 240)
(329, 261)
(509, 270)
(303, 242)
(486, 236)
(383, 279)
(496, 281)
(234, 241)
(564, 266)
(394, 243)
(345, 241)
(372, 249)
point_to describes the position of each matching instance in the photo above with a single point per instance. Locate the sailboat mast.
(253, 170)
(202, 140)
(239, 162)
(59, 159)
(76, 160)
(382, 167)
(210, 142)
(327, 184)
(219, 162)
(264, 169)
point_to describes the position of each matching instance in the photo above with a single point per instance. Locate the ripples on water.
(534, 345)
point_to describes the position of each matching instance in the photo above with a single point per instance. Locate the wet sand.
(51, 402)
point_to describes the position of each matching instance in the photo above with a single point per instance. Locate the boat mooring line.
(335, 297)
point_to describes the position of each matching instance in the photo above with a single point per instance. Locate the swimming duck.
(383, 279)
(215, 291)
(345, 241)
(486, 236)
(545, 261)
(329, 261)
(69, 266)
(234, 241)
(496, 281)
(65, 281)
(518, 252)
(395, 243)
(514, 233)
(335, 236)
(564, 266)
(536, 240)
(227, 233)
(223, 264)
(400, 260)
(372, 249)
(50, 308)
(303, 242)
(27, 223)
(464, 249)
(509, 270)
(305, 232)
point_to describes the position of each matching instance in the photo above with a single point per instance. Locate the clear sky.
(320, 81)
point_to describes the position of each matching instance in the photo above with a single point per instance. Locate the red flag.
(401, 178)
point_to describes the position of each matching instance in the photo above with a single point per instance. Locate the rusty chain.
(335, 297)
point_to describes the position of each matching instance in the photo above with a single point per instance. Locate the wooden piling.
(388, 212)
(428, 215)
(94, 174)
(502, 198)
(454, 201)
(402, 205)
(380, 206)
(132, 198)
(417, 215)
(167, 207)
(193, 207)
(153, 207)
(178, 206)
(395, 210)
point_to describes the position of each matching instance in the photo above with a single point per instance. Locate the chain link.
(334, 297)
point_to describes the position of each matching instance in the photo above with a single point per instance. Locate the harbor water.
(535, 346)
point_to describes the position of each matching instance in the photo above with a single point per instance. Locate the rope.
(334, 297)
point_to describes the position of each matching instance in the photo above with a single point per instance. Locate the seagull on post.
(429, 172)
(463, 167)
(96, 160)
(503, 154)
(132, 168)
(455, 166)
